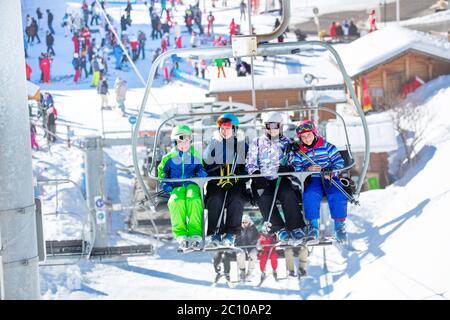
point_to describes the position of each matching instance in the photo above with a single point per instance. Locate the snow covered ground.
(392, 227)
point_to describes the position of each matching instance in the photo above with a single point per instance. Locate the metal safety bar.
(205, 114)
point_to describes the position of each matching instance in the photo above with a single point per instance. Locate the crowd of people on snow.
(92, 47)
(228, 154)
(347, 30)
(338, 32)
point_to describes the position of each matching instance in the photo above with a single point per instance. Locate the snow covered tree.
(410, 121)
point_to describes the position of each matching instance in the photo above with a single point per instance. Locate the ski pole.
(334, 183)
(267, 223)
(216, 231)
(349, 197)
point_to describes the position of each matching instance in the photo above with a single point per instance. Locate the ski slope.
(392, 227)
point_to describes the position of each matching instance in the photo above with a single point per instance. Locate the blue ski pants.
(313, 194)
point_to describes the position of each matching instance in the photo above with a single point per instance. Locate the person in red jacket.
(45, 68)
(233, 28)
(218, 41)
(134, 43)
(28, 70)
(267, 251)
(211, 19)
(372, 21)
(164, 43)
(87, 37)
(333, 30)
(179, 42)
(76, 43)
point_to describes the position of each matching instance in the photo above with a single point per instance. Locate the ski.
(230, 284)
(220, 248)
(260, 283)
(185, 250)
(216, 279)
(346, 246)
(263, 278)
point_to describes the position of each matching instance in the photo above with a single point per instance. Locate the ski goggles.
(184, 137)
(305, 127)
(273, 125)
(226, 125)
(224, 122)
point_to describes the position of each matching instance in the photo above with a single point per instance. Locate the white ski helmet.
(273, 116)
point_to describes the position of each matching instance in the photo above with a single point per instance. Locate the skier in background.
(372, 21)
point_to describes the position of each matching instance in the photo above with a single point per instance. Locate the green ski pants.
(186, 209)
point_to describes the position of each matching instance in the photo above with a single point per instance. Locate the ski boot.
(291, 274)
(228, 280)
(242, 275)
(301, 272)
(214, 241)
(275, 275)
(263, 277)
(283, 237)
(195, 243)
(228, 240)
(313, 233)
(339, 228)
(297, 237)
(182, 243)
(217, 278)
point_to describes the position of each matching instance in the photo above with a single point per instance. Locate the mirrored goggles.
(308, 126)
(273, 125)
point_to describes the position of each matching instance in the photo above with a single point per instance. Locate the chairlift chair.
(266, 49)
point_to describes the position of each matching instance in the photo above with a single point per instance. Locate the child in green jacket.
(185, 202)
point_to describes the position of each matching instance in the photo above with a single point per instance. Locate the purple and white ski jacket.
(265, 155)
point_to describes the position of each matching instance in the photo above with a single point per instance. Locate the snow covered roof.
(290, 81)
(387, 43)
(381, 133)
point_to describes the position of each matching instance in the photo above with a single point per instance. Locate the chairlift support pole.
(17, 209)
(94, 168)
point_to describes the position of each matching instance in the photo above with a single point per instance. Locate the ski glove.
(285, 168)
(259, 182)
(167, 187)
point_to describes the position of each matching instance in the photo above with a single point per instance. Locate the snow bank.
(399, 263)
